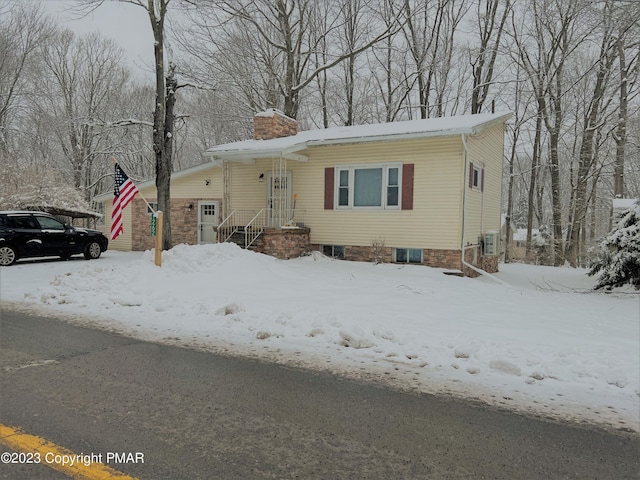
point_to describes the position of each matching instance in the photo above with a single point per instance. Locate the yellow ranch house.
(420, 192)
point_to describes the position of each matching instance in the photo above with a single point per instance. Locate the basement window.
(333, 251)
(407, 255)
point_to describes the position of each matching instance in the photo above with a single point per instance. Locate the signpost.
(156, 224)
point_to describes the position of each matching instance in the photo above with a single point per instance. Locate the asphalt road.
(195, 415)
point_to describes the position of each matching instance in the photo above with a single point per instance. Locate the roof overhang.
(250, 155)
(249, 151)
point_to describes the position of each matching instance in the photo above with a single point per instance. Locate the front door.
(207, 220)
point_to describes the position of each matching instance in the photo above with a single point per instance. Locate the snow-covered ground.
(541, 342)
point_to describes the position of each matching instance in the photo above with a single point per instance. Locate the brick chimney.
(273, 123)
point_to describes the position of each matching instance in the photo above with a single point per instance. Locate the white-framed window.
(154, 205)
(476, 177)
(407, 255)
(368, 186)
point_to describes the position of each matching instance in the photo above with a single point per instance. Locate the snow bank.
(546, 344)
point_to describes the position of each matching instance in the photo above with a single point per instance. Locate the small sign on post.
(158, 251)
(153, 225)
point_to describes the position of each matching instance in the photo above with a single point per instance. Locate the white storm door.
(279, 199)
(207, 221)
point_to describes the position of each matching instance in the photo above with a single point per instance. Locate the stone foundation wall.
(471, 256)
(490, 264)
(285, 243)
(378, 254)
(474, 256)
(442, 258)
(449, 259)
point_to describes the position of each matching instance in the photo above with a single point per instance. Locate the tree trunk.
(163, 162)
(535, 162)
(621, 132)
(587, 155)
(507, 222)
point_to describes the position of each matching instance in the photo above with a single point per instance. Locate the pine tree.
(618, 257)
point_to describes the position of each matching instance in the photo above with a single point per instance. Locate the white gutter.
(464, 201)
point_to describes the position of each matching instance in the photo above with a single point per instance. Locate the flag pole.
(139, 193)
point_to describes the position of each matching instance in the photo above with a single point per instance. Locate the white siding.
(192, 186)
(434, 221)
(483, 208)
(440, 183)
(123, 242)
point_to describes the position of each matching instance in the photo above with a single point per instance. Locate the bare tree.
(351, 31)
(284, 29)
(23, 28)
(163, 116)
(592, 121)
(429, 29)
(543, 51)
(628, 48)
(491, 23)
(389, 66)
(83, 76)
(520, 102)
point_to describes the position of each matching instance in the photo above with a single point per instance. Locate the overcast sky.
(127, 24)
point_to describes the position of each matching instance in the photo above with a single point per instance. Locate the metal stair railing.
(254, 228)
(237, 222)
(226, 228)
(252, 224)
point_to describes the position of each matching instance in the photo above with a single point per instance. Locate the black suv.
(38, 234)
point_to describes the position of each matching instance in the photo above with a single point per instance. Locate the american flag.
(123, 192)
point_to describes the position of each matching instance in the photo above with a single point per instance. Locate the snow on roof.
(623, 203)
(430, 127)
(270, 112)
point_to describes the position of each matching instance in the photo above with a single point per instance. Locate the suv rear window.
(47, 223)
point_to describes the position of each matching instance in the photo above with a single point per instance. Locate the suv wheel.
(7, 256)
(92, 251)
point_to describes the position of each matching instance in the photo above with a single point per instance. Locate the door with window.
(207, 221)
